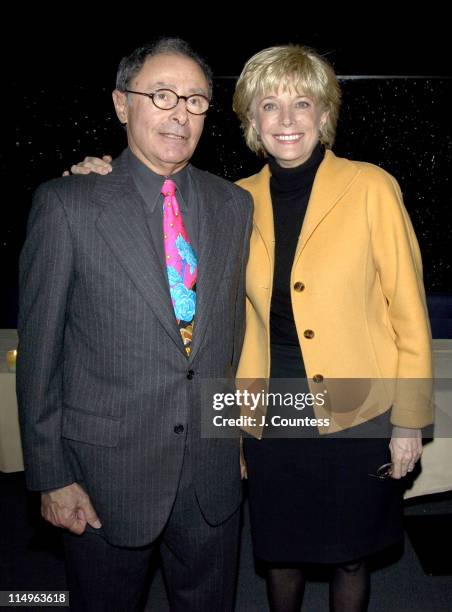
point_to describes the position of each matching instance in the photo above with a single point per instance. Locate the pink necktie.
(181, 264)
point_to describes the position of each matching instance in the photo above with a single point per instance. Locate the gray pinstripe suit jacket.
(102, 372)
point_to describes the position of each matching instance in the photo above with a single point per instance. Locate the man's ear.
(121, 107)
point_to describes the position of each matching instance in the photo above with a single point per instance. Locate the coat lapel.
(333, 179)
(263, 211)
(122, 224)
(214, 239)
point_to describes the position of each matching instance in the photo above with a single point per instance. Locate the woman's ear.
(324, 119)
(253, 123)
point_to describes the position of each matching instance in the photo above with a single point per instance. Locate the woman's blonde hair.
(270, 68)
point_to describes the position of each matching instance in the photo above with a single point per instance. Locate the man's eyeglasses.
(166, 99)
(383, 472)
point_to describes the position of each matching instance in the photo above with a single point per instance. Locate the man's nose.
(179, 112)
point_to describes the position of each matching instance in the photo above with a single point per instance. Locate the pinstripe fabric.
(102, 374)
(199, 563)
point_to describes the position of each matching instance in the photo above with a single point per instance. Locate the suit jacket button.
(298, 286)
(317, 378)
(308, 333)
(190, 374)
(179, 428)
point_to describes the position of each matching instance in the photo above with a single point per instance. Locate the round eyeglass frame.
(177, 97)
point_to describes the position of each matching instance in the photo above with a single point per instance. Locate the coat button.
(308, 333)
(298, 286)
(179, 428)
(190, 374)
(317, 378)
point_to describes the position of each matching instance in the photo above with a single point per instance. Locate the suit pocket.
(90, 428)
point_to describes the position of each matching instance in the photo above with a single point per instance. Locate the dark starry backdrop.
(400, 121)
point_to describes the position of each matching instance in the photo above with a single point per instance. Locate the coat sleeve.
(45, 279)
(398, 262)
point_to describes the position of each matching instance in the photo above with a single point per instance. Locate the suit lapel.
(122, 224)
(214, 239)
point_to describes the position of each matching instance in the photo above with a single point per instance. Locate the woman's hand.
(406, 449)
(91, 164)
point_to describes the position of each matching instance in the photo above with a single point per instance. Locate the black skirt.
(312, 499)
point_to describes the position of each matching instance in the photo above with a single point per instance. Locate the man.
(114, 342)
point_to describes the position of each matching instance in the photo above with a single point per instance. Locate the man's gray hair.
(131, 64)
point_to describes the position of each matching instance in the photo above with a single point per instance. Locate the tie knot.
(169, 188)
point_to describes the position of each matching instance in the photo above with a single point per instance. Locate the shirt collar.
(149, 183)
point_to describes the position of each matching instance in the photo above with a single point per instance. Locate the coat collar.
(333, 179)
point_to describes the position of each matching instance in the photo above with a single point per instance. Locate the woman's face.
(288, 123)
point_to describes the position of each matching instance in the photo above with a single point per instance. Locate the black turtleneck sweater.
(290, 189)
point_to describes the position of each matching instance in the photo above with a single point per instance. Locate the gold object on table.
(11, 360)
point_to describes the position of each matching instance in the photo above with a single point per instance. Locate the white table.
(11, 458)
(436, 461)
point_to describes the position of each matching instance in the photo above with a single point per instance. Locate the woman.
(334, 292)
(334, 289)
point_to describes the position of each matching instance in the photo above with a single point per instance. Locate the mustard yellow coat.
(357, 293)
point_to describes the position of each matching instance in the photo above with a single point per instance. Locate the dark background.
(64, 71)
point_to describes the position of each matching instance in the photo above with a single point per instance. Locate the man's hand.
(406, 449)
(70, 508)
(91, 164)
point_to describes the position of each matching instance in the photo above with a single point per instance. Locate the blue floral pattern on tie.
(186, 253)
(184, 299)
